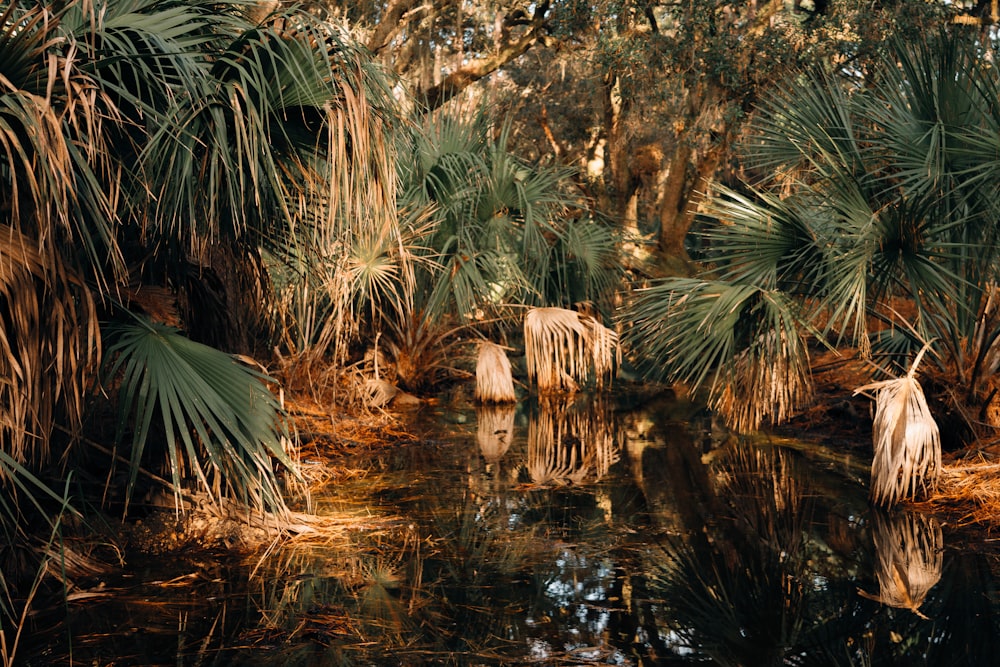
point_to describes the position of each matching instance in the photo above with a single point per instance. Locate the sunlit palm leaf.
(216, 415)
(49, 346)
(494, 378)
(907, 461)
(565, 349)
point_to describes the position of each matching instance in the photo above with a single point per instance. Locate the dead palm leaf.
(49, 346)
(494, 378)
(907, 443)
(565, 348)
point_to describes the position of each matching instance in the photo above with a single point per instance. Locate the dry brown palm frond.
(49, 346)
(907, 443)
(564, 349)
(495, 430)
(909, 547)
(494, 378)
(777, 387)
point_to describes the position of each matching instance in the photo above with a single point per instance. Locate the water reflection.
(571, 440)
(909, 550)
(736, 590)
(494, 430)
(572, 533)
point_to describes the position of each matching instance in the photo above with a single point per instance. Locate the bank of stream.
(583, 532)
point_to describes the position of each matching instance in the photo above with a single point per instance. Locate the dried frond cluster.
(565, 349)
(907, 460)
(777, 388)
(494, 377)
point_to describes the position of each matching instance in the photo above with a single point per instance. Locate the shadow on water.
(565, 533)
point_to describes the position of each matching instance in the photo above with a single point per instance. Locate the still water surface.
(563, 534)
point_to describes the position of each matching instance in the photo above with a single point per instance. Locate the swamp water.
(563, 534)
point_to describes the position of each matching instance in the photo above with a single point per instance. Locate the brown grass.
(968, 492)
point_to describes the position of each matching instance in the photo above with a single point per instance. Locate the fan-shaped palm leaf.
(742, 343)
(216, 414)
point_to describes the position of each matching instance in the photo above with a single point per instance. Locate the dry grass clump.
(969, 491)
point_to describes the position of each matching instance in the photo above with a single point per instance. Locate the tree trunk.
(685, 187)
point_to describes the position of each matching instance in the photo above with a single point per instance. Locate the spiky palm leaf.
(217, 415)
(742, 343)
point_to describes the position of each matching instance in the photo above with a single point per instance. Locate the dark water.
(567, 535)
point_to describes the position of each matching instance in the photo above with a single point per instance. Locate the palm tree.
(152, 153)
(872, 195)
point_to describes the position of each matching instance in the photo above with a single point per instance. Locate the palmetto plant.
(140, 141)
(488, 232)
(876, 197)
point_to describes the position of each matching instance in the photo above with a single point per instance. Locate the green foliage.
(217, 415)
(866, 197)
(486, 232)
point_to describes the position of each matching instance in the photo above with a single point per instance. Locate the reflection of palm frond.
(910, 549)
(740, 596)
(907, 460)
(494, 378)
(569, 446)
(495, 430)
(564, 348)
(767, 496)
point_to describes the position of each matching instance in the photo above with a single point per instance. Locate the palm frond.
(907, 443)
(564, 349)
(494, 378)
(217, 416)
(49, 346)
(743, 343)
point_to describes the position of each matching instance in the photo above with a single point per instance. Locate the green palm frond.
(767, 241)
(217, 416)
(805, 128)
(742, 343)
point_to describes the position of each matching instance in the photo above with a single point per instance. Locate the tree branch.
(474, 70)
